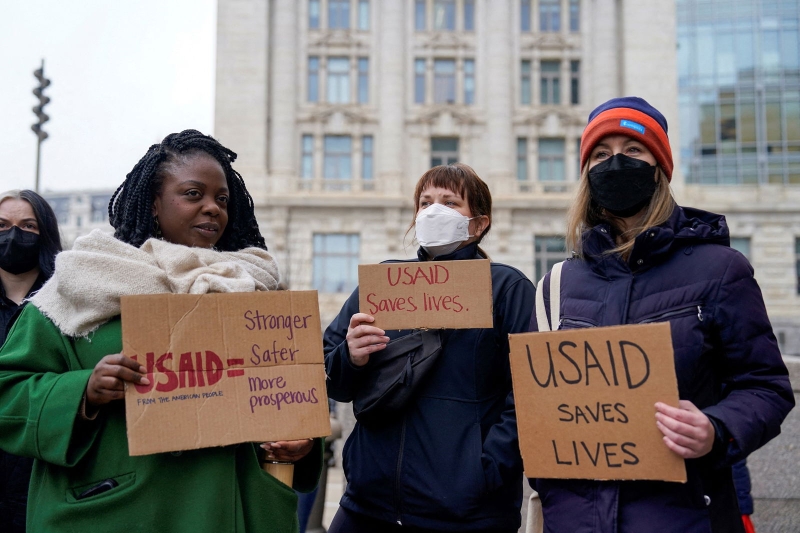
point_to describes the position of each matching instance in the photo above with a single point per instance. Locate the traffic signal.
(43, 101)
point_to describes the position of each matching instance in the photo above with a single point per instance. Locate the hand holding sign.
(687, 430)
(107, 382)
(288, 450)
(363, 339)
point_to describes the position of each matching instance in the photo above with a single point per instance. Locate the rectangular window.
(770, 50)
(547, 252)
(419, 15)
(550, 86)
(363, 14)
(339, 14)
(313, 14)
(727, 123)
(444, 81)
(100, 208)
(469, 81)
(741, 245)
(335, 263)
(313, 79)
(549, 15)
(773, 117)
(574, 15)
(522, 159)
(525, 15)
(444, 151)
(366, 157)
(307, 159)
(469, 15)
(338, 80)
(338, 157)
(575, 82)
(60, 208)
(551, 160)
(444, 15)
(525, 82)
(789, 49)
(363, 80)
(419, 81)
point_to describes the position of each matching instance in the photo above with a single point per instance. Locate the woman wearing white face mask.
(450, 460)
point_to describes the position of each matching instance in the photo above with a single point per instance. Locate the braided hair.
(130, 209)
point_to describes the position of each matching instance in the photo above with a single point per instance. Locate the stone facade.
(79, 212)
(266, 49)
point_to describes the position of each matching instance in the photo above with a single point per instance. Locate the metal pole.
(38, 156)
(39, 111)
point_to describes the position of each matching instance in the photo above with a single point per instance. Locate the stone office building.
(336, 107)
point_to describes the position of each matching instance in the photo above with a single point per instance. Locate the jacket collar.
(684, 228)
(470, 251)
(40, 279)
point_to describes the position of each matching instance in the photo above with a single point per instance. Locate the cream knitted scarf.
(89, 280)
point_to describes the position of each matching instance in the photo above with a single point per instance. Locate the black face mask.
(622, 185)
(19, 250)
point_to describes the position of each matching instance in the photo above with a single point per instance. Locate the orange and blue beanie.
(635, 118)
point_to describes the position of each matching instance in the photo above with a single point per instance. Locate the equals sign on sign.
(233, 372)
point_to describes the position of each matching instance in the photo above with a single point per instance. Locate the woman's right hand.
(107, 380)
(363, 339)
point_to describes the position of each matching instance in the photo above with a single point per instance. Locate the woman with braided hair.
(184, 223)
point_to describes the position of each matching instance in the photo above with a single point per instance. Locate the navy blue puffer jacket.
(726, 359)
(451, 462)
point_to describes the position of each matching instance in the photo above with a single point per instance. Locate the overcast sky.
(124, 74)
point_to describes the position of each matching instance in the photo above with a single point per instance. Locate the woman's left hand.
(288, 450)
(687, 430)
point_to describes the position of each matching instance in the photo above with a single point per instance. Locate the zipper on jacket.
(576, 322)
(398, 510)
(676, 313)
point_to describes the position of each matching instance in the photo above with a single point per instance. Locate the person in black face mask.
(638, 257)
(29, 242)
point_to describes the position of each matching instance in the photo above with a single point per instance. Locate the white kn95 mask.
(441, 230)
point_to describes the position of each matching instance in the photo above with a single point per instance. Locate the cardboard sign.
(433, 294)
(585, 402)
(224, 369)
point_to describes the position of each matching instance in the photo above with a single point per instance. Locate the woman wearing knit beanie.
(638, 257)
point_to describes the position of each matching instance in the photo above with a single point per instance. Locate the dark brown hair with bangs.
(462, 180)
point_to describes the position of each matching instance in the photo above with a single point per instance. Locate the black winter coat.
(727, 363)
(15, 471)
(451, 462)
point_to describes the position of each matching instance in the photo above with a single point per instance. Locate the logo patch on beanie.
(635, 126)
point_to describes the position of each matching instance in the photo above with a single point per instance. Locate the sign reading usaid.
(224, 369)
(585, 401)
(434, 294)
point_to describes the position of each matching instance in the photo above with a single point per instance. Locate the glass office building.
(739, 91)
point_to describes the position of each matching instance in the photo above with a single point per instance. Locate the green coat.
(43, 376)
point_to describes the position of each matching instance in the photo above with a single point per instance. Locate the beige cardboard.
(244, 367)
(440, 294)
(594, 417)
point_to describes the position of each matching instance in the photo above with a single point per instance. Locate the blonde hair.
(585, 214)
